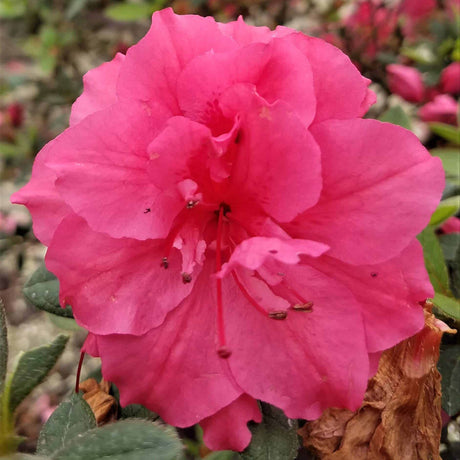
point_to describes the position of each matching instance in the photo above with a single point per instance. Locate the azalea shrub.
(246, 230)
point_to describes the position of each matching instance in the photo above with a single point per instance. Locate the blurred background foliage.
(410, 49)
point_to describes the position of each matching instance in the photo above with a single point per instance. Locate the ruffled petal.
(388, 294)
(274, 145)
(173, 370)
(152, 66)
(253, 252)
(99, 89)
(115, 286)
(380, 188)
(101, 164)
(277, 70)
(227, 429)
(41, 197)
(341, 97)
(306, 362)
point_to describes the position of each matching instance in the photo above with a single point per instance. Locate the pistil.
(223, 351)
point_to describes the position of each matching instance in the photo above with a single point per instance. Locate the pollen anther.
(277, 314)
(307, 306)
(164, 262)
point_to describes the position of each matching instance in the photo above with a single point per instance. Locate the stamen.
(308, 306)
(277, 314)
(248, 296)
(223, 351)
(164, 262)
(180, 221)
(77, 379)
(191, 204)
(186, 278)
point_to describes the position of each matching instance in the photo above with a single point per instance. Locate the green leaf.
(3, 347)
(450, 245)
(70, 419)
(129, 11)
(274, 438)
(449, 367)
(451, 163)
(222, 455)
(42, 290)
(137, 411)
(32, 368)
(447, 208)
(448, 132)
(449, 305)
(123, 440)
(434, 262)
(397, 116)
(10, 9)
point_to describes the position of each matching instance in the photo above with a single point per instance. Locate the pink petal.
(277, 70)
(306, 362)
(227, 429)
(388, 294)
(244, 34)
(152, 66)
(253, 252)
(274, 145)
(102, 167)
(450, 78)
(343, 97)
(380, 188)
(451, 225)
(99, 89)
(41, 197)
(174, 369)
(114, 285)
(443, 109)
(406, 82)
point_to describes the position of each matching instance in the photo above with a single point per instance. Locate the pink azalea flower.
(442, 108)
(370, 26)
(228, 228)
(406, 82)
(450, 78)
(417, 9)
(451, 225)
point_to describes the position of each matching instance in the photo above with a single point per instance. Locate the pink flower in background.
(442, 108)
(370, 26)
(417, 9)
(406, 82)
(227, 226)
(450, 78)
(451, 225)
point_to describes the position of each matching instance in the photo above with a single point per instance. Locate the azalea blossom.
(443, 109)
(406, 82)
(450, 78)
(229, 229)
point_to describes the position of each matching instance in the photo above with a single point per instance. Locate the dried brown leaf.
(401, 414)
(103, 405)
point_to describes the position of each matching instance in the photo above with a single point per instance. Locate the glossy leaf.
(70, 419)
(450, 161)
(274, 438)
(448, 132)
(449, 367)
(42, 290)
(450, 306)
(123, 440)
(434, 262)
(397, 116)
(447, 208)
(450, 245)
(32, 368)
